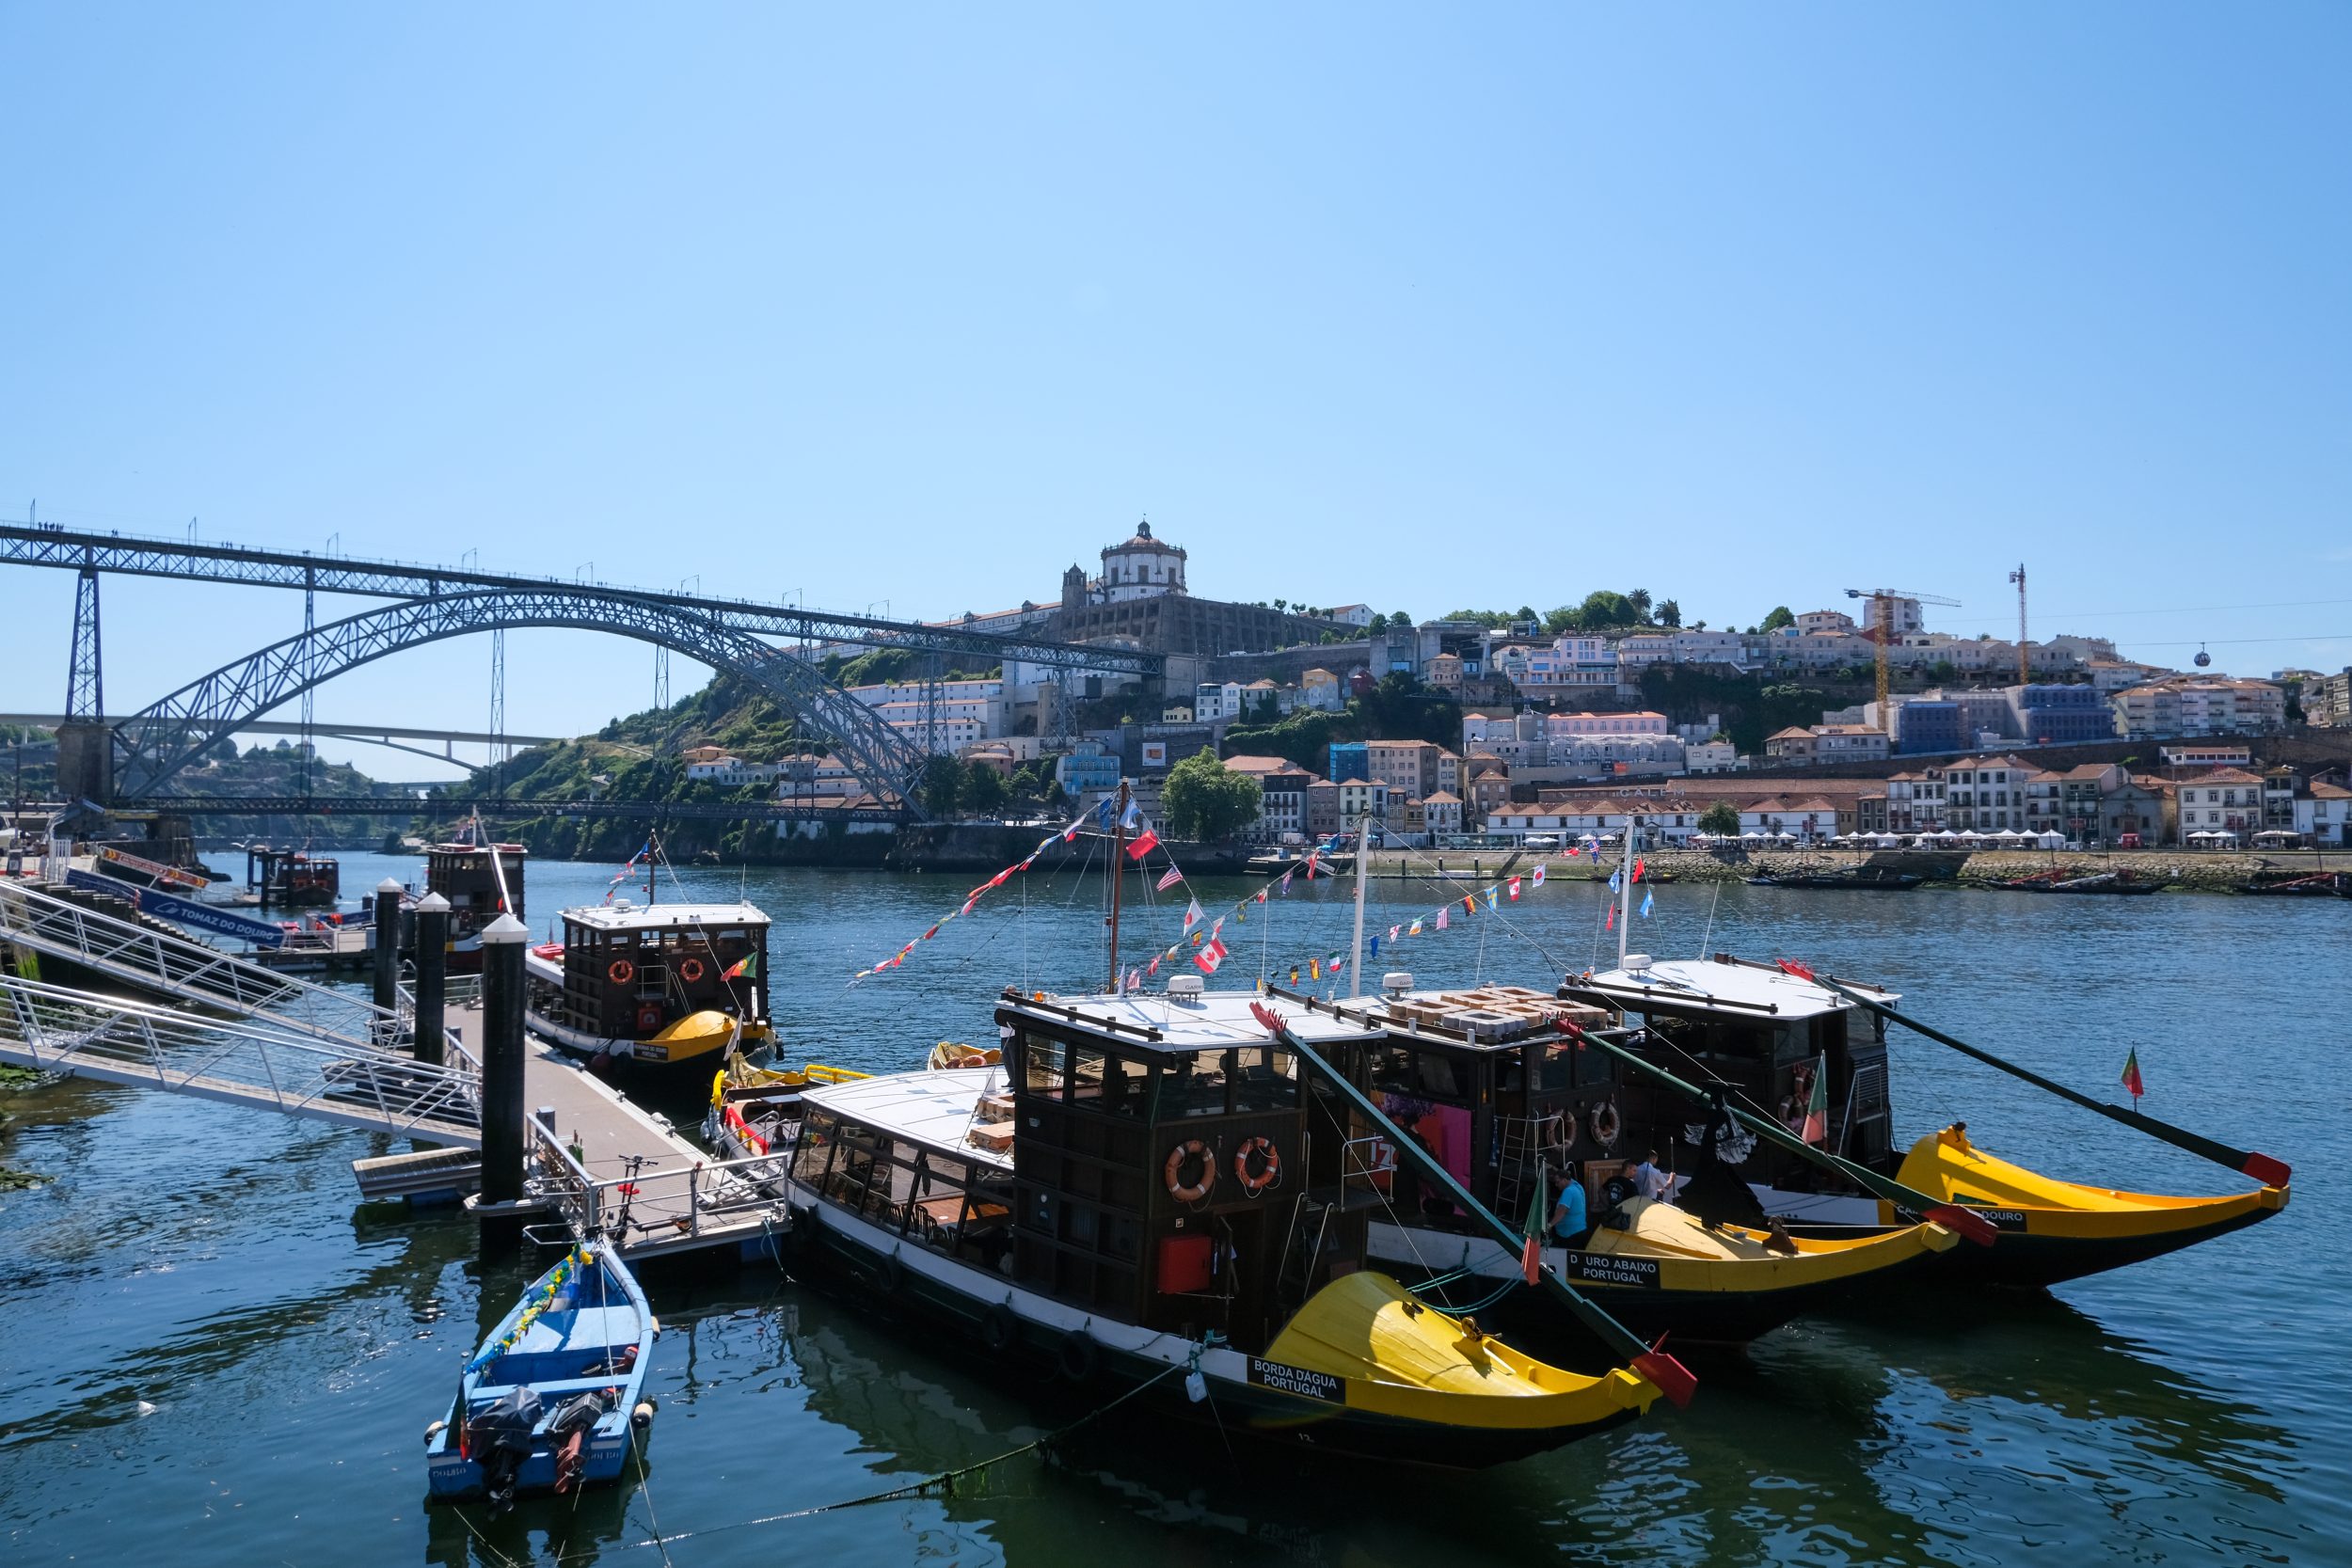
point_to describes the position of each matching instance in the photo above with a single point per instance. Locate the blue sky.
(1425, 308)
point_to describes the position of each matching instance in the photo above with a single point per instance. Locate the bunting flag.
(1262, 895)
(1314, 970)
(1648, 897)
(1539, 876)
(1816, 1129)
(1494, 897)
(1127, 817)
(747, 967)
(1514, 889)
(1416, 928)
(1169, 877)
(1192, 914)
(1134, 980)
(2131, 1078)
(1312, 856)
(971, 899)
(1532, 1229)
(1470, 903)
(1393, 929)
(1293, 974)
(1210, 957)
(1611, 923)
(1143, 845)
(1152, 967)
(1285, 883)
(1375, 945)
(1615, 880)
(1444, 916)
(1637, 868)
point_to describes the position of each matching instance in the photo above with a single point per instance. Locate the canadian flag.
(1514, 889)
(1210, 955)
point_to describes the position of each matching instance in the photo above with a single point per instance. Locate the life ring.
(621, 972)
(1078, 1357)
(1606, 1124)
(691, 971)
(1173, 1172)
(999, 1328)
(1269, 1174)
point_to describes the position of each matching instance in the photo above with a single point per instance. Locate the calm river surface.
(215, 1354)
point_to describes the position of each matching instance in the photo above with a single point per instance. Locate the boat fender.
(690, 971)
(1606, 1124)
(1174, 1171)
(999, 1328)
(893, 1274)
(621, 972)
(434, 1431)
(1269, 1171)
(642, 1416)
(1078, 1357)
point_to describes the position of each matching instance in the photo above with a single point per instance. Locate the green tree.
(943, 785)
(1781, 616)
(1401, 621)
(1562, 620)
(1205, 803)
(1669, 613)
(983, 789)
(1377, 623)
(1639, 599)
(1722, 820)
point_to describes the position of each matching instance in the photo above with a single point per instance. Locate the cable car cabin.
(468, 876)
(1767, 1034)
(1172, 1166)
(668, 985)
(1489, 1082)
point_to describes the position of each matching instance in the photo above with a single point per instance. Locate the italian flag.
(1817, 1105)
(1532, 1230)
(2131, 1073)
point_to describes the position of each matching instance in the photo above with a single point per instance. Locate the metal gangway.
(56, 1029)
(140, 956)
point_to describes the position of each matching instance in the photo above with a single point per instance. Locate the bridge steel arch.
(157, 742)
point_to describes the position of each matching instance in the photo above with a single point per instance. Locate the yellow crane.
(1881, 632)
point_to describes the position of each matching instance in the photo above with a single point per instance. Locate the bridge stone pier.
(86, 761)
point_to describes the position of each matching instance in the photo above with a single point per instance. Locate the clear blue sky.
(1422, 307)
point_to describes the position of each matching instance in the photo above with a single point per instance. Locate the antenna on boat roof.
(1119, 845)
(1355, 950)
(1625, 886)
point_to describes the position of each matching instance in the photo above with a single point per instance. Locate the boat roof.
(1148, 1021)
(622, 915)
(936, 1108)
(1722, 984)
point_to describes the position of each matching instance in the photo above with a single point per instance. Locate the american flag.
(1169, 877)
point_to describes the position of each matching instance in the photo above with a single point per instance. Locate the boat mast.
(1118, 848)
(1625, 887)
(1356, 952)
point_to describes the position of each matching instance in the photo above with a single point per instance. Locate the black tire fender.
(999, 1328)
(1078, 1357)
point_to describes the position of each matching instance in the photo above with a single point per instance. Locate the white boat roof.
(1704, 983)
(935, 1108)
(1212, 1021)
(623, 916)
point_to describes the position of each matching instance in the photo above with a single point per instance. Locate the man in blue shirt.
(1569, 1227)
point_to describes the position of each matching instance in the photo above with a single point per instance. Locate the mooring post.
(386, 943)
(432, 976)
(502, 1142)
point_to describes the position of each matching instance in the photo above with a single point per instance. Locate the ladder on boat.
(56, 1029)
(1516, 1149)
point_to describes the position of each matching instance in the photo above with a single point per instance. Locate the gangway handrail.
(58, 1028)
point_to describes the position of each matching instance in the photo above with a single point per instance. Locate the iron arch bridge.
(153, 744)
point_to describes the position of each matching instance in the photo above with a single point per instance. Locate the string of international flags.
(1206, 937)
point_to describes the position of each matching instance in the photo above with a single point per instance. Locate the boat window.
(1106, 1081)
(1391, 1068)
(1042, 1065)
(815, 1148)
(1194, 1085)
(1267, 1079)
(1829, 1034)
(1436, 1076)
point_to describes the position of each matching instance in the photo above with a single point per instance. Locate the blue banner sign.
(184, 911)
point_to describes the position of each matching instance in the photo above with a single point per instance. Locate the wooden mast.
(1119, 846)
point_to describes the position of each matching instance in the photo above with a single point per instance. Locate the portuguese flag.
(1532, 1230)
(1817, 1103)
(744, 968)
(2131, 1073)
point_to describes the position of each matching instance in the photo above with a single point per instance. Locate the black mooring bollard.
(386, 937)
(502, 1140)
(432, 977)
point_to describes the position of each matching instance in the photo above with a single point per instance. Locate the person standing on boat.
(1652, 1182)
(1570, 1227)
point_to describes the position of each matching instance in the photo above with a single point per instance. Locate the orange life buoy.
(1269, 1173)
(1173, 1172)
(622, 972)
(691, 969)
(1606, 1124)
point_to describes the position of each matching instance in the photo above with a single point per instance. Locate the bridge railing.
(56, 1028)
(189, 969)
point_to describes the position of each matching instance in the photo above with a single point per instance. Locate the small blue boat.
(552, 1400)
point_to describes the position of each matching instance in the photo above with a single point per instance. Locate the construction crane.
(2018, 577)
(1881, 632)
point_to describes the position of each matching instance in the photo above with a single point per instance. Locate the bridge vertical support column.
(387, 943)
(85, 746)
(432, 977)
(503, 1055)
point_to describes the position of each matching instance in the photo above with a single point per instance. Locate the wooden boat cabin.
(292, 879)
(663, 985)
(1764, 1032)
(468, 876)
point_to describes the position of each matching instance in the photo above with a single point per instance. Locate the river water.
(215, 1354)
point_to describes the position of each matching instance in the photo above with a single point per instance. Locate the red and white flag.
(1169, 877)
(1192, 914)
(1539, 876)
(1514, 889)
(1210, 955)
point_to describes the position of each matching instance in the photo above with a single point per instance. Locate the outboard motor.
(500, 1440)
(568, 1429)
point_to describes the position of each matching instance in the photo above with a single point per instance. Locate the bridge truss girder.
(157, 742)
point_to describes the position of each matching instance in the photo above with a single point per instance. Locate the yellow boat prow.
(2107, 1225)
(1393, 1354)
(1693, 1256)
(698, 1034)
